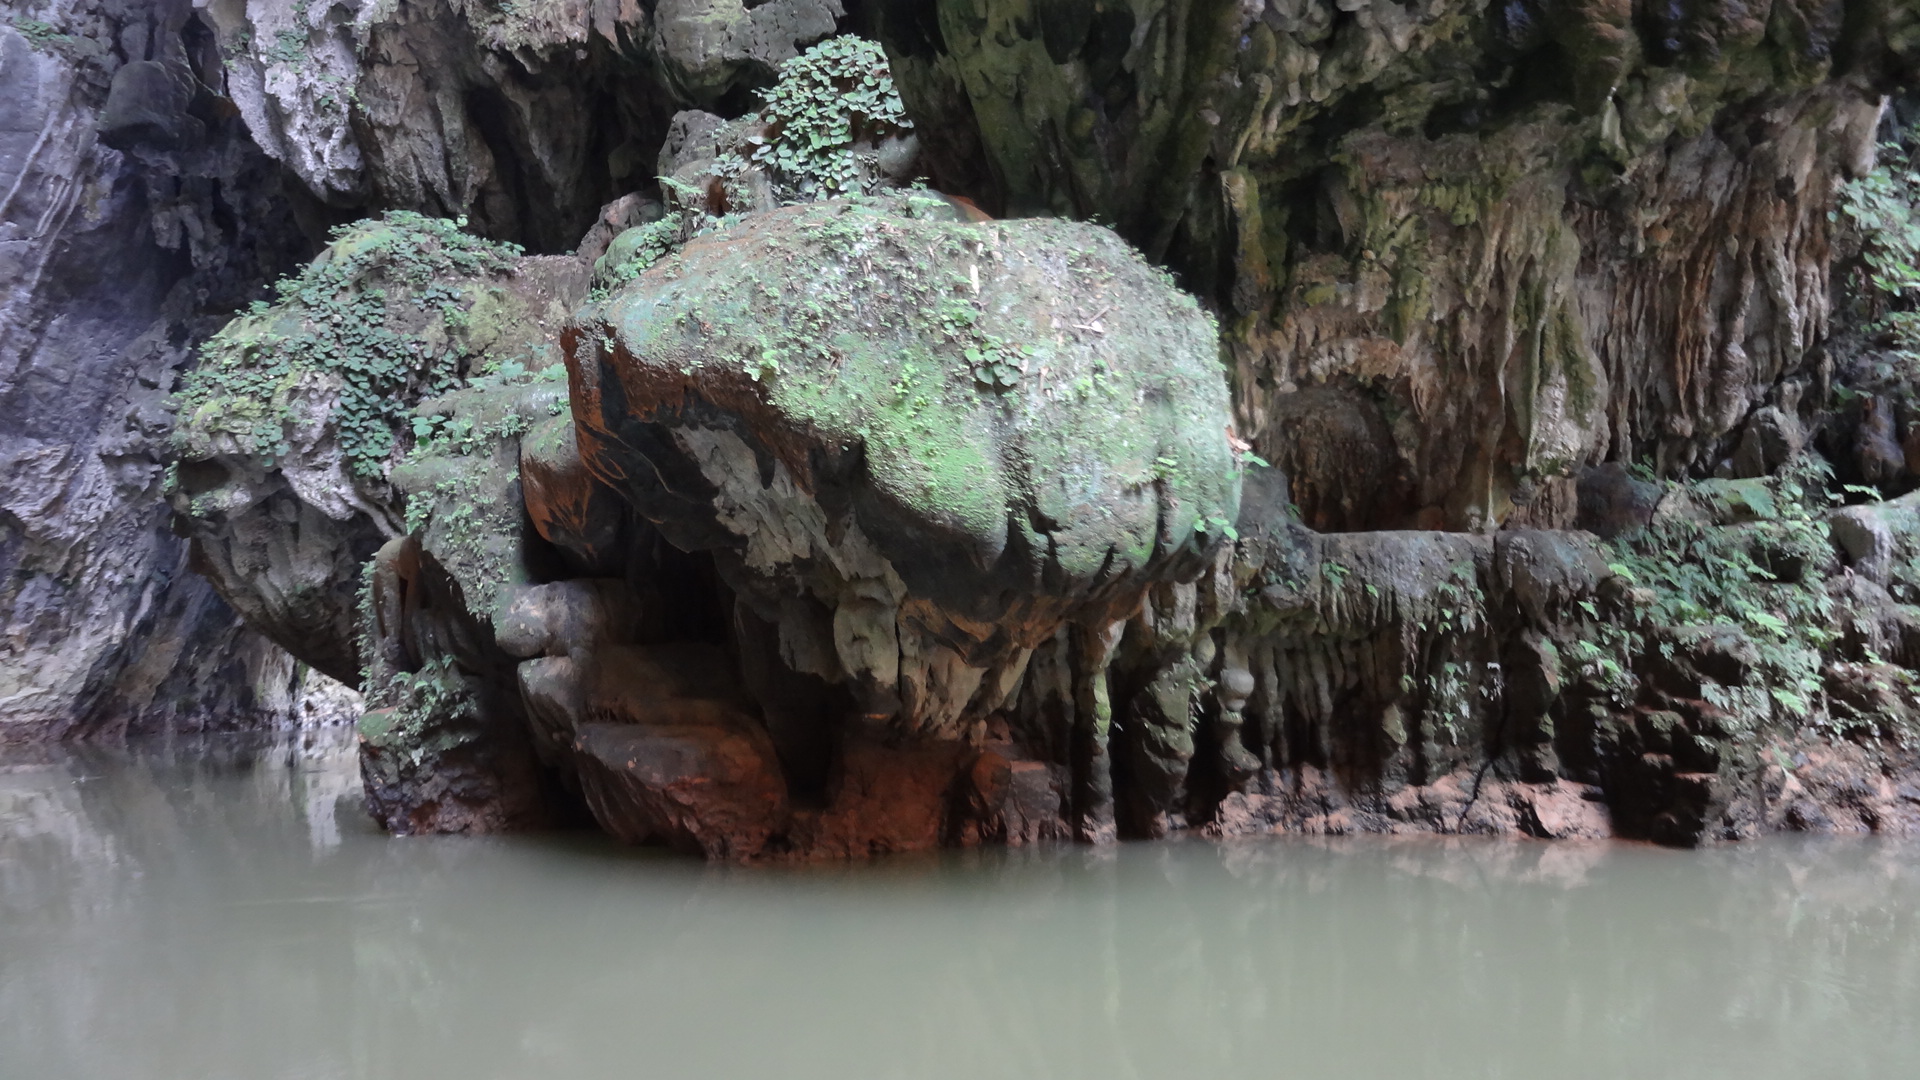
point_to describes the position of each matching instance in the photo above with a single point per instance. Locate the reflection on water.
(219, 910)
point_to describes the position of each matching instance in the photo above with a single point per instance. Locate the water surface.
(217, 910)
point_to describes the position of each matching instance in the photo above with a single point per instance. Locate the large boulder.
(828, 480)
(923, 451)
(292, 425)
(951, 435)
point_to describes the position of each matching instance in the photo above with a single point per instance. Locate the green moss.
(41, 35)
(376, 725)
(636, 249)
(997, 374)
(1688, 579)
(1565, 350)
(467, 515)
(392, 310)
(460, 477)
(1411, 304)
(424, 713)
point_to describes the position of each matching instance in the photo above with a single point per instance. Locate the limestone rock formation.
(849, 464)
(291, 427)
(917, 448)
(1021, 419)
(347, 473)
(527, 117)
(135, 214)
(1459, 248)
(783, 508)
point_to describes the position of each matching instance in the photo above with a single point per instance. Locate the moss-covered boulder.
(1020, 417)
(348, 470)
(290, 428)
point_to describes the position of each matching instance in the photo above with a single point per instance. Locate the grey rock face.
(707, 47)
(131, 215)
(525, 117)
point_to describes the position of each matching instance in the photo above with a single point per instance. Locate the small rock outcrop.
(347, 473)
(291, 428)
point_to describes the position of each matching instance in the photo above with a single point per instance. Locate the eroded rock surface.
(135, 214)
(527, 117)
(1458, 247)
(917, 449)
(348, 472)
(293, 426)
(1021, 419)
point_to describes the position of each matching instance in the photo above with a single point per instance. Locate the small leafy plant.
(1883, 209)
(828, 99)
(1687, 579)
(41, 35)
(997, 365)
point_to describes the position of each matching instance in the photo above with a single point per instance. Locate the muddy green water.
(222, 910)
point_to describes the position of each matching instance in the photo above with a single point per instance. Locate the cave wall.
(1467, 264)
(129, 227)
(525, 118)
(1465, 247)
